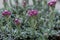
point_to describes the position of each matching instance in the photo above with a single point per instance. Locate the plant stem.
(52, 15)
(5, 4)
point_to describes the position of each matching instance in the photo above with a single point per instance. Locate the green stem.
(52, 15)
(34, 2)
(10, 2)
(18, 28)
(16, 2)
(27, 1)
(5, 4)
(8, 23)
(33, 22)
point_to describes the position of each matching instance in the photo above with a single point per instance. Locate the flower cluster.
(6, 13)
(32, 12)
(52, 2)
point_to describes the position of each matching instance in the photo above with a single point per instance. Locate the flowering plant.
(28, 22)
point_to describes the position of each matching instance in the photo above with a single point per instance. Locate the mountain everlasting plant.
(29, 22)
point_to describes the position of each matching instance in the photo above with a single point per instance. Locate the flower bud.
(17, 21)
(24, 3)
(6, 13)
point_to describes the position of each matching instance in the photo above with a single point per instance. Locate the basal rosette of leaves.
(28, 22)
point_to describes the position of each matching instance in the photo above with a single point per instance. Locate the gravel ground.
(1, 2)
(57, 7)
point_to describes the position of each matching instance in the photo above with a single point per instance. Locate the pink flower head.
(32, 12)
(24, 3)
(6, 13)
(52, 3)
(17, 21)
